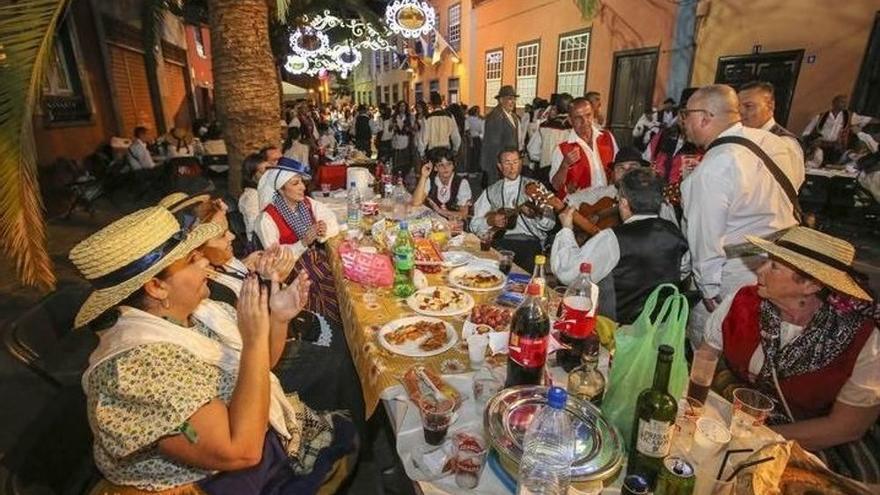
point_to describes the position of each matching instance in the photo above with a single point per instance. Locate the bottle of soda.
(403, 253)
(527, 347)
(577, 329)
(538, 276)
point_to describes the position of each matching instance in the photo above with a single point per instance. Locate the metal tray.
(599, 451)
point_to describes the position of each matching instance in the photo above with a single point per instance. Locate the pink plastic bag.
(366, 268)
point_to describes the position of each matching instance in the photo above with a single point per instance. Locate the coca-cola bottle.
(527, 348)
(577, 329)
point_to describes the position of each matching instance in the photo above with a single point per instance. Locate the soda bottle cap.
(533, 290)
(540, 259)
(556, 397)
(353, 184)
(403, 225)
(586, 267)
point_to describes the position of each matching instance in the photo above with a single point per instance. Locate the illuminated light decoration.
(297, 64)
(410, 18)
(309, 42)
(346, 57)
(364, 35)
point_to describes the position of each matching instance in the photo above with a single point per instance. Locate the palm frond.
(27, 30)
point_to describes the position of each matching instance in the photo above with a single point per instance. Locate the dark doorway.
(632, 88)
(779, 68)
(866, 96)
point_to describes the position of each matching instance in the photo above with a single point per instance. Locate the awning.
(293, 92)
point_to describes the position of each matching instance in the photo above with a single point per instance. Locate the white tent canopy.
(293, 92)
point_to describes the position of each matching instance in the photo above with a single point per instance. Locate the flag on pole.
(440, 44)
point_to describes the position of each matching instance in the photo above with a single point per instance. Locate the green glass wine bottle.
(654, 422)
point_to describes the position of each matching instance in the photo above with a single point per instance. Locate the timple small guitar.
(588, 218)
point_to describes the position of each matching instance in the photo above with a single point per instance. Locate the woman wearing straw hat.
(179, 392)
(316, 362)
(806, 335)
(293, 220)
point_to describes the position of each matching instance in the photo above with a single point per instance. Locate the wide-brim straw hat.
(178, 201)
(120, 258)
(823, 257)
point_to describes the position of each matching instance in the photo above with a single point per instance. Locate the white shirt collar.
(769, 124)
(734, 130)
(641, 216)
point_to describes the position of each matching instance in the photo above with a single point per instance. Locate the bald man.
(757, 102)
(583, 159)
(731, 194)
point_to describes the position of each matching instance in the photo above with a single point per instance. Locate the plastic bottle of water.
(401, 205)
(354, 207)
(548, 448)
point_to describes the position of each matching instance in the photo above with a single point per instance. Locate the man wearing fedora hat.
(501, 132)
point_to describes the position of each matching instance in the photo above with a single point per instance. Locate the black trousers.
(524, 247)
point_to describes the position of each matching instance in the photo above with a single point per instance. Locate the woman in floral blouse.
(179, 394)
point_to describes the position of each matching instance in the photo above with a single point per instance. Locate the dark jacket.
(499, 134)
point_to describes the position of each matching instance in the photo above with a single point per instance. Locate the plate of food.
(417, 336)
(440, 301)
(477, 277)
(455, 259)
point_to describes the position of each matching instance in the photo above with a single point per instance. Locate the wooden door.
(129, 79)
(631, 92)
(177, 111)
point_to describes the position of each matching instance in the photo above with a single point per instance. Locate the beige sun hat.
(827, 259)
(178, 201)
(120, 258)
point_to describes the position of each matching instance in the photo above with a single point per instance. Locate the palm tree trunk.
(245, 79)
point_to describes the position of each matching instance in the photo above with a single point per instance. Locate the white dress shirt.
(474, 126)
(602, 251)
(794, 148)
(597, 170)
(834, 123)
(862, 389)
(138, 157)
(249, 206)
(268, 233)
(530, 226)
(730, 195)
(444, 193)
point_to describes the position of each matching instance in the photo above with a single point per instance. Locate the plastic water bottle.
(548, 448)
(401, 205)
(354, 207)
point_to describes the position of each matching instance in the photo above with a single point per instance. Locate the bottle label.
(403, 259)
(654, 437)
(575, 320)
(527, 352)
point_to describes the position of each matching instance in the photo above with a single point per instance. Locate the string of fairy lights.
(312, 53)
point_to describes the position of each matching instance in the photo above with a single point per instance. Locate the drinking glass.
(325, 189)
(486, 241)
(470, 457)
(689, 412)
(702, 372)
(436, 417)
(505, 260)
(456, 226)
(710, 436)
(750, 409)
(486, 385)
(477, 350)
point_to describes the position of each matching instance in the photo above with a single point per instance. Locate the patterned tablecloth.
(377, 367)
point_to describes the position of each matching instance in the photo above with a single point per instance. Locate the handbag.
(635, 356)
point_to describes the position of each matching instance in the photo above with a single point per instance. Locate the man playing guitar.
(502, 208)
(583, 160)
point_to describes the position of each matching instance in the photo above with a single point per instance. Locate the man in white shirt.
(583, 160)
(138, 156)
(550, 133)
(440, 129)
(832, 128)
(730, 195)
(638, 255)
(756, 106)
(529, 230)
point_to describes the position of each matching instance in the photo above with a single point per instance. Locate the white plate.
(413, 302)
(454, 259)
(411, 348)
(456, 274)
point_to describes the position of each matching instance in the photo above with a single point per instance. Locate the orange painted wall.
(835, 32)
(618, 25)
(79, 140)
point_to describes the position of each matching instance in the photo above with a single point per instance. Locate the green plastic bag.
(635, 356)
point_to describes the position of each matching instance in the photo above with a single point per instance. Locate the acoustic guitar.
(588, 218)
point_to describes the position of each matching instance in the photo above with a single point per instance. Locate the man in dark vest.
(756, 106)
(363, 133)
(629, 260)
(832, 128)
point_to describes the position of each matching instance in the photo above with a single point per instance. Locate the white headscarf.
(271, 181)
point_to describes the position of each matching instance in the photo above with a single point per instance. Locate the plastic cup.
(325, 189)
(710, 436)
(702, 372)
(689, 412)
(505, 260)
(750, 409)
(470, 458)
(436, 418)
(486, 385)
(477, 350)
(486, 241)
(456, 226)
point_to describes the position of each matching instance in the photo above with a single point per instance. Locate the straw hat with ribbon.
(123, 256)
(823, 257)
(178, 201)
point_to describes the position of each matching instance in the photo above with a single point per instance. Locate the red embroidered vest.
(285, 232)
(580, 173)
(810, 395)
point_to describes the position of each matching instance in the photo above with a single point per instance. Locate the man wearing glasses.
(500, 209)
(730, 195)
